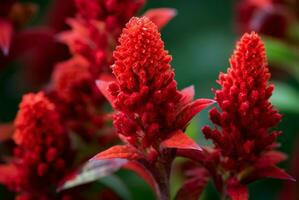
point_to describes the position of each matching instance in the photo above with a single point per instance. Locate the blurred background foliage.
(200, 38)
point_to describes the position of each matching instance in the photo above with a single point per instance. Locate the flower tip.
(250, 36)
(172, 11)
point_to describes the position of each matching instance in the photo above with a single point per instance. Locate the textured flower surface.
(77, 97)
(246, 113)
(91, 40)
(96, 28)
(43, 152)
(243, 133)
(151, 114)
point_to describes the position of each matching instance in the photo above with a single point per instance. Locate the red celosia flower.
(246, 113)
(115, 14)
(96, 28)
(43, 149)
(76, 96)
(151, 114)
(93, 37)
(243, 132)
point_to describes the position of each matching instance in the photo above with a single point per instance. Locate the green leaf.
(117, 185)
(285, 97)
(283, 55)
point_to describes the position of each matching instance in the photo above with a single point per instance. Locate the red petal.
(118, 151)
(192, 188)
(5, 36)
(6, 131)
(142, 172)
(7, 172)
(190, 110)
(161, 16)
(103, 87)
(179, 140)
(188, 93)
(237, 191)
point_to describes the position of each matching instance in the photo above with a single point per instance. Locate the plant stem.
(160, 171)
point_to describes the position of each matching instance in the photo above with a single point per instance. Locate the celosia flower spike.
(243, 132)
(247, 115)
(43, 149)
(151, 114)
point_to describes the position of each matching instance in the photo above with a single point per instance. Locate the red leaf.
(5, 36)
(270, 158)
(23, 40)
(190, 110)
(270, 172)
(118, 151)
(161, 16)
(187, 97)
(103, 87)
(7, 172)
(195, 155)
(6, 131)
(237, 191)
(179, 140)
(192, 188)
(142, 172)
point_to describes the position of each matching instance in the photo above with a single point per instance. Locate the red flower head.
(151, 114)
(145, 89)
(43, 150)
(243, 132)
(246, 114)
(113, 12)
(77, 97)
(97, 26)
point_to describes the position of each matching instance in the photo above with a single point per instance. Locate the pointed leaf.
(5, 36)
(179, 140)
(6, 131)
(7, 172)
(237, 191)
(270, 158)
(118, 151)
(271, 172)
(195, 155)
(190, 110)
(91, 171)
(117, 185)
(161, 16)
(103, 87)
(187, 97)
(193, 187)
